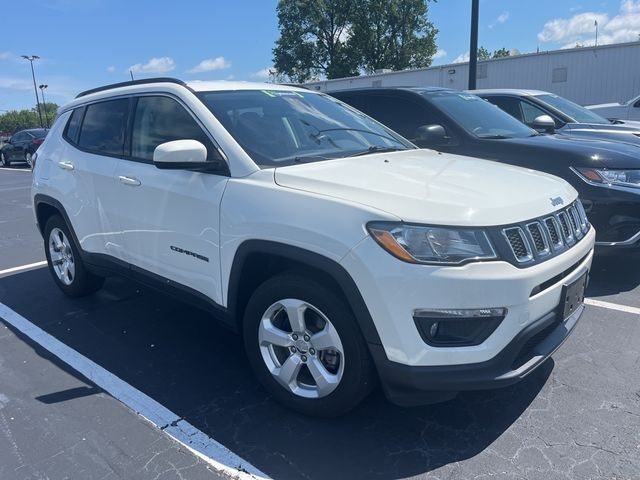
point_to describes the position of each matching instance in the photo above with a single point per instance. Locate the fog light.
(457, 327)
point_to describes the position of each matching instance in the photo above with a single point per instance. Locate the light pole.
(31, 58)
(473, 44)
(44, 104)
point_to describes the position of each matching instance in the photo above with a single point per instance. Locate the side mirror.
(544, 123)
(430, 135)
(184, 155)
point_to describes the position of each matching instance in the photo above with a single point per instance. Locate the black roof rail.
(133, 82)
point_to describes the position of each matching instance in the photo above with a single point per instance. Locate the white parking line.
(219, 457)
(22, 268)
(16, 169)
(612, 306)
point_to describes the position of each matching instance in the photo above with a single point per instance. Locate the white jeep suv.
(343, 255)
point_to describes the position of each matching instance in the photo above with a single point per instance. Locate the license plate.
(573, 295)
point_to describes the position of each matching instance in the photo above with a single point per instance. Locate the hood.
(424, 186)
(580, 151)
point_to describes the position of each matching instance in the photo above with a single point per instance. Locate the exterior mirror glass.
(429, 135)
(544, 123)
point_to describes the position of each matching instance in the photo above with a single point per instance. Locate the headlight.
(625, 178)
(440, 245)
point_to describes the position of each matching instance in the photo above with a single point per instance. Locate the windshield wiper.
(376, 149)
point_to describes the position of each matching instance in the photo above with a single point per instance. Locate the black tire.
(358, 376)
(4, 161)
(83, 282)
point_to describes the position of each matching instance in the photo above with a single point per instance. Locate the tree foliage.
(338, 38)
(394, 34)
(16, 120)
(314, 39)
(484, 54)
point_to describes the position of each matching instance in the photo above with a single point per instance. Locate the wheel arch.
(45, 207)
(257, 260)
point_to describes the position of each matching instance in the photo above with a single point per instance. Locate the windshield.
(573, 110)
(279, 128)
(477, 116)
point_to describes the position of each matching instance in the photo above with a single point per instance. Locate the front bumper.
(413, 371)
(417, 385)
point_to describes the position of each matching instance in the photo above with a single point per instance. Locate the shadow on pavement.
(614, 274)
(184, 360)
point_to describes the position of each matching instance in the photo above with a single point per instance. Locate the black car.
(21, 146)
(606, 174)
(548, 113)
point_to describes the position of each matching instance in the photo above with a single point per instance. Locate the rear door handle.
(66, 165)
(131, 181)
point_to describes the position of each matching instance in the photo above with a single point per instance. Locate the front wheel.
(305, 346)
(65, 264)
(4, 160)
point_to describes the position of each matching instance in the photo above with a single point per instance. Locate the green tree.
(483, 54)
(16, 120)
(314, 39)
(503, 52)
(394, 34)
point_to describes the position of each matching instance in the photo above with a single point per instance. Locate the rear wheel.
(65, 264)
(305, 346)
(29, 158)
(4, 160)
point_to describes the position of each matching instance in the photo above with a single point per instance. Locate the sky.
(88, 43)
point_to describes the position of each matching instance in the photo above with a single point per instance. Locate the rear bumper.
(415, 385)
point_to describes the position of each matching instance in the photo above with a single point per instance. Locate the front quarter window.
(285, 127)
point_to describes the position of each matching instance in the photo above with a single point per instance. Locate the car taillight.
(38, 141)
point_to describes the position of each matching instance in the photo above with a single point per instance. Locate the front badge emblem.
(556, 201)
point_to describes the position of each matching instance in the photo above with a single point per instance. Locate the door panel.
(170, 218)
(170, 223)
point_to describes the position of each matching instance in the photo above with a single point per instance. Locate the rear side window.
(508, 104)
(161, 119)
(398, 113)
(104, 126)
(73, 126)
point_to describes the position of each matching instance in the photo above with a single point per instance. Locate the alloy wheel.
(61, 254)
(301, 348)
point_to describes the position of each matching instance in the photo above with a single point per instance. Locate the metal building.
(587, 75)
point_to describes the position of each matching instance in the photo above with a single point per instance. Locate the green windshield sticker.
(281, 93)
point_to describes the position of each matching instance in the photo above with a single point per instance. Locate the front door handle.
(66, 165)
(131, 181)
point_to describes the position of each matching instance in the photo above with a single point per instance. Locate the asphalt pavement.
(576, 417)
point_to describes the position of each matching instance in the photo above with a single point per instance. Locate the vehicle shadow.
(184, 360)
(614, 274)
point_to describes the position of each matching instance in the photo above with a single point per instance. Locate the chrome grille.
(584, 223)
(575, 221)
(519, 243)
(567, 232)
(554, 232)
(540, 242)
(545, 237)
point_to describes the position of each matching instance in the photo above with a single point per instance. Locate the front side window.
(478, 116)
(530, 112)
(104, 126)
(160, 119)
(278, 128)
